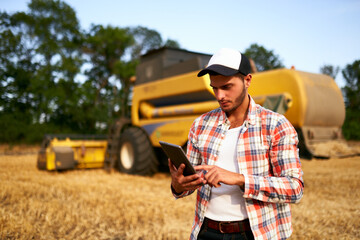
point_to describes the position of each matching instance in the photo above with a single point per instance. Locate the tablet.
(177, 157)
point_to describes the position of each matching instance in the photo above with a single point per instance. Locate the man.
(247, 158)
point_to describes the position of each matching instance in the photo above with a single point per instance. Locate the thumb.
(171, 166)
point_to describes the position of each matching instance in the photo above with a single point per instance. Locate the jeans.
(207, 233)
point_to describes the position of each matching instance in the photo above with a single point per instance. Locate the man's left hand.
(216, 175)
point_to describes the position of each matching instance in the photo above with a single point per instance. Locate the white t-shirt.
(227, 202)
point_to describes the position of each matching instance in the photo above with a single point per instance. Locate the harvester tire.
(136, 154)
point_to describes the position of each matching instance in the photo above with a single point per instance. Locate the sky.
(306, 34)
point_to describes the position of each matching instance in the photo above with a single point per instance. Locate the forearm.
(273, 189)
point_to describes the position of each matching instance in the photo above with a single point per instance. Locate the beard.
(237, 103)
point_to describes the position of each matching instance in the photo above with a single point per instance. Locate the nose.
(219, 94)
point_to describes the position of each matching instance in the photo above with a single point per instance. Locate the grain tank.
(317, 111)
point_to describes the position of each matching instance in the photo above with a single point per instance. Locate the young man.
(247, 158)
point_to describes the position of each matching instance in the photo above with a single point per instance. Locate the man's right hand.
(180, 183)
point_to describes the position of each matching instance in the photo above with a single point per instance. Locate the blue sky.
(306, 34)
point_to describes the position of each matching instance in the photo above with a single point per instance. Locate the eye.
(226, 87)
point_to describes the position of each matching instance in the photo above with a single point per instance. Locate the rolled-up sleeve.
(286, 185)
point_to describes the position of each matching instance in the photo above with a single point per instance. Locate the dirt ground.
(93, 204)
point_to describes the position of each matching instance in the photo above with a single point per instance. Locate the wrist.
(241, 181)
(176, 191)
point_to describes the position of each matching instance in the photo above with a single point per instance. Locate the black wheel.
(136, 154)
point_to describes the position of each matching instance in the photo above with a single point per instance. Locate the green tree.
(172, 44)
(264, 59)
(40, 50)
(114, 54)
(107, 49)
(145, 40)
(351, 74)
(16, 70)
(52, 29)
(330, 70)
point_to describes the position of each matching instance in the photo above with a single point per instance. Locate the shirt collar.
(251, 112)
(223, 118)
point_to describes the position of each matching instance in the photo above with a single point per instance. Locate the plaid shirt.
(268, 158)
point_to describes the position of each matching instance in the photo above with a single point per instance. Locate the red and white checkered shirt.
(268, 158)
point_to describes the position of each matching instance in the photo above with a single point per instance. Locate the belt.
(228, 227)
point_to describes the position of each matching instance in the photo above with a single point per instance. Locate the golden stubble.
(94, 204)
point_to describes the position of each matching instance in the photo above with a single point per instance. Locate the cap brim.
(218, 69)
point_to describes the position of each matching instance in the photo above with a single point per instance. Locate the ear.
(247, 80)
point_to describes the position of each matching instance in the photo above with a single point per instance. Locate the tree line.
(58, 78)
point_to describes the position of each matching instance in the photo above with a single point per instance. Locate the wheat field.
(94, 204)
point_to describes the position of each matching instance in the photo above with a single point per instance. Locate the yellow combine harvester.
(168, 96)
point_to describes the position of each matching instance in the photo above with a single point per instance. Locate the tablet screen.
(177, 156)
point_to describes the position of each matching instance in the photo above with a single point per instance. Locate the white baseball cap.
(227, 62)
